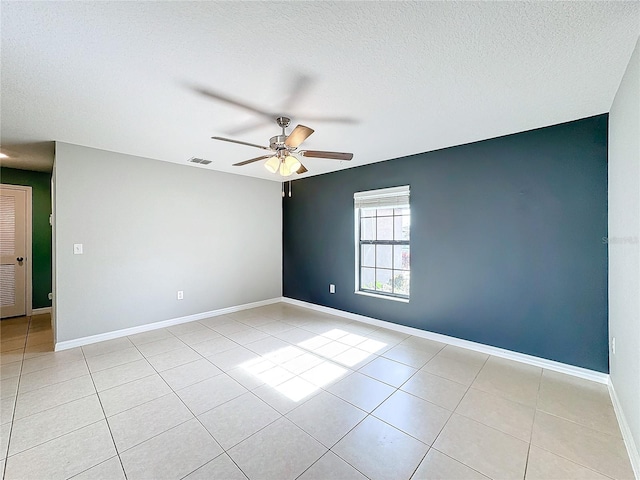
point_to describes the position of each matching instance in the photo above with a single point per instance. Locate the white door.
(13, 250)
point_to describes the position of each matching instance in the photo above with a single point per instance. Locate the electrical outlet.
(613, 345)
(180, 295)
(332, 288)
(77, 249)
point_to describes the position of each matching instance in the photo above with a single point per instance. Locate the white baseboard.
(40, 311)
(498, 352)
(478, 347)
(632, 449)
(78, 342)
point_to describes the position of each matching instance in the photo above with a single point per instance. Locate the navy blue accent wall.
(507, 241)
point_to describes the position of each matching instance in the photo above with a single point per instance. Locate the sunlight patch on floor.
(298, 371)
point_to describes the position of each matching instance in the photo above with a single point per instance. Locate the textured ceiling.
(416, 76)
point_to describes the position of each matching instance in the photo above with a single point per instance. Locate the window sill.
(385, 297)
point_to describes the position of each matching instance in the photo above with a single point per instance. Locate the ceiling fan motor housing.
(277, 143)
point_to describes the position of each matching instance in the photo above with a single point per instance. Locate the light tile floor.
(282, 392)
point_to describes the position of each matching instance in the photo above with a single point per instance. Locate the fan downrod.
(277, 143)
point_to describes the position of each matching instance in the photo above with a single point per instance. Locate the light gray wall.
(624, 249)
(151, 228)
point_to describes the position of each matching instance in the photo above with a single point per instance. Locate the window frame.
(380, 199)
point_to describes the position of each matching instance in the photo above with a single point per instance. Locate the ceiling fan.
(282, 148)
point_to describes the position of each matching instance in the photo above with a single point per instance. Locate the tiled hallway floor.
(282, 392)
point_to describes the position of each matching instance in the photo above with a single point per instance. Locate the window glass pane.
(367, 229)
(385, 228)
(397, 228)
(368, 278)
(401, 281)
(406, 227)
(383, 280)
(368, 255)
(383, 256)
(384, 265)
(401, 257)
(401, 228)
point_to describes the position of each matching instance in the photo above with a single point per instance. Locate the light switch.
(77, 249)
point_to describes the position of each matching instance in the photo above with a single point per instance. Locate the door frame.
(29, 293)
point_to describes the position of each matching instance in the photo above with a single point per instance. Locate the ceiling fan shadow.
(301, 85)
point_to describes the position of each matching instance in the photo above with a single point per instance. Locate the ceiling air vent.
(201, 161)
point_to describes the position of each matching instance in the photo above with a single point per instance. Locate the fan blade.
(247, 162)
(347, 120)
(240, 143)
(247, 127)
(299, 135)
(234, 102)
(330, 155)
(302, 169)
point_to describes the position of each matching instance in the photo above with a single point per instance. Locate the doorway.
(15, 250)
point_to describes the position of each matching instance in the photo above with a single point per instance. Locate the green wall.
(40, 182)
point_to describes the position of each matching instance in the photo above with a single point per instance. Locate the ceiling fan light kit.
(284, 165)
(283, 146)
(272, 164)
(289, 165)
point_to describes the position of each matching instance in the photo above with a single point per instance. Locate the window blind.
(7, 225)
(395, 197)
(8, 281)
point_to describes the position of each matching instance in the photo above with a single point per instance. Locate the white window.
(382, 232)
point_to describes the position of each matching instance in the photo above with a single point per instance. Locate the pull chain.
(289, 188)
(282, 189)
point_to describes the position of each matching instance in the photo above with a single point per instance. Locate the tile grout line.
(354, 427)
(369, 414)
(39, 412)
(93, 466)
(251, 391)
(224, 450)
(454, 411)
(356, 406)
(331, 451)
(58, 436)
(190, 411)
(105, 419)
(535, 413)
(599, 432)
(576, 463)
(63, 364)
(172, 392)
(469, 467)
(562, 418)
(396, 389)
(15, 402)
(324, 388)
(57, 405)
(281, 415)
